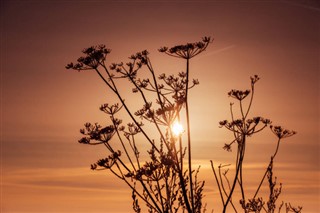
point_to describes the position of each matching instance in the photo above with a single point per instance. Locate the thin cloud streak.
(68, 178)
(215, 52)
(85, 178)
(315, 5)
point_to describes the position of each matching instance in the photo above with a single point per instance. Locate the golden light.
(177, 128)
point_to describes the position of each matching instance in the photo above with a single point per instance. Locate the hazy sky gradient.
(43, 106)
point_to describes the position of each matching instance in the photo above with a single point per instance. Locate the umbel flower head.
(239, 94)
(188, 50)
(93, 57)
(280, 132)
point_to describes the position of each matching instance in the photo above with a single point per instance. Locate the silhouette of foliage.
(162, 181)
(242, 128)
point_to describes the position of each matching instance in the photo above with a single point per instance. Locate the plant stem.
(189, 138)
(217, 180)
(265, 174)
(125, 106)
(236, 176)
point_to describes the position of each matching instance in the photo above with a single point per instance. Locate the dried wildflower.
(133, 129)
(140, 112)
(149, 114)
(188, 50)
(110, 109)
(93, 166)
(237, 122)
(163, 49)
(147, 106)
(107, 130)
(121, 128)
(254, 79)
(94, 57)
(107, 162)
(143, 83)
(84, 140)
(166, 185)
(167, 160)
(239, 94)
(116, 122)
(69, 66)
(195, 81)
(280, 132)
(113, 66)
(182, 74)
(144, 52)
(95, 134)
(133, 57)
(223, 123)
(227, 147)
(162, 76)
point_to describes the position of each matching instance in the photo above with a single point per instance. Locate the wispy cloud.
(68, 178)
(311, 5)
(215, 52)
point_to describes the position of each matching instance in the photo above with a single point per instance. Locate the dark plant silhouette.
(242, 128)
(165, 180)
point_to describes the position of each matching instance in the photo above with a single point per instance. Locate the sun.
(177, 128)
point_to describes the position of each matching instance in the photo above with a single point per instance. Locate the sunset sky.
(43, 105)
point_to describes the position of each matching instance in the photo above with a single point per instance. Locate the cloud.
(214, 52)
(68, 178)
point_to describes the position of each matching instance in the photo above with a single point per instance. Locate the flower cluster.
(94, 56)
(110, 109)
(151, 171)
(96, 133)
(107, 162)
(248, 127)
(141, 57)
(188, 50)
(280, 132)
(254, 79)
(146, 111)
(132, 129)
(176, 85)
(130, 69)
(156, 169)
(239, 94)
(168, 110)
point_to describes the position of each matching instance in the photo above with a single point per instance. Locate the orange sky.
(43, 106)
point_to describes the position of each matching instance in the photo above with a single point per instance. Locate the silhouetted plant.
(162, 182)
(242, 128)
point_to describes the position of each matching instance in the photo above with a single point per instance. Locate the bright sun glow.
(177, 128)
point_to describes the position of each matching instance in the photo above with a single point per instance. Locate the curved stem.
(265, 174)
(236, 177)
(217, 180)
(251, 100)
(234, 208)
